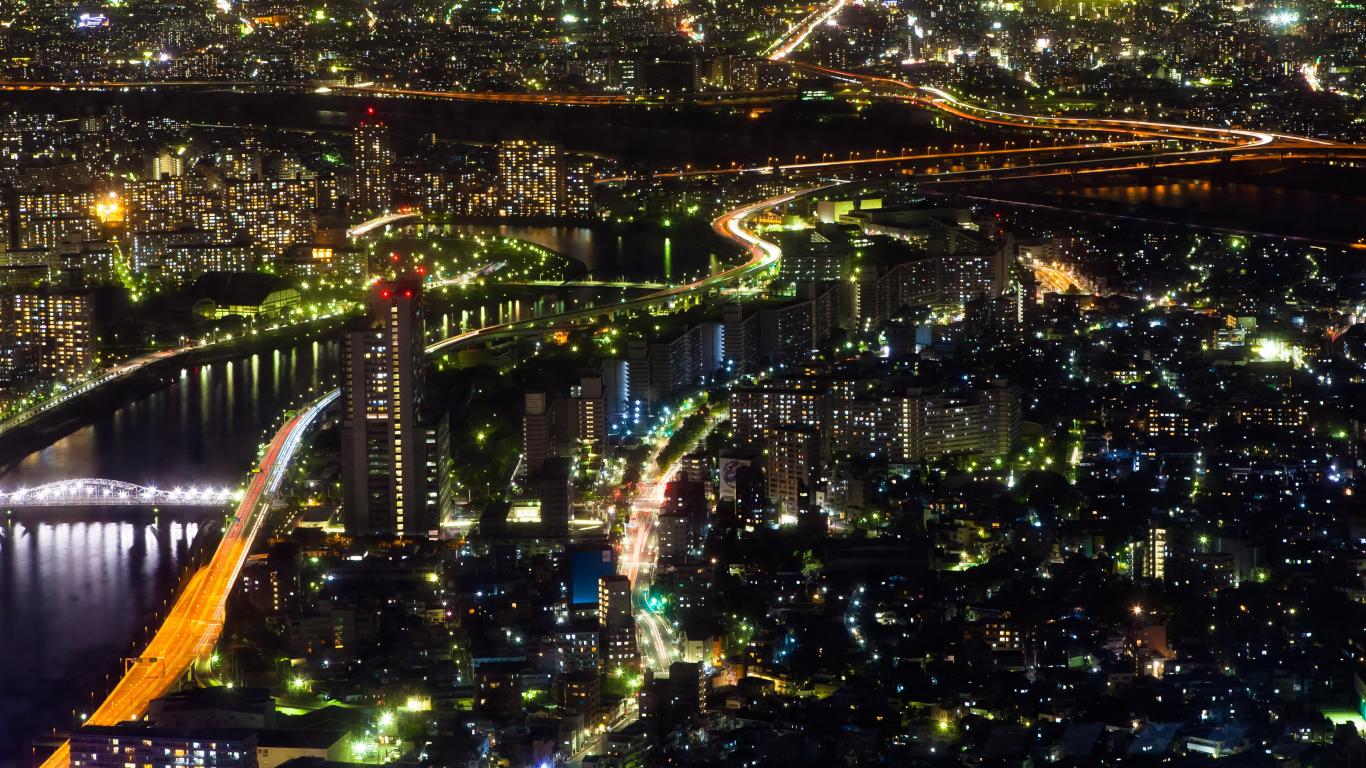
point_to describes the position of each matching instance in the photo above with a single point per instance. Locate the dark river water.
(1310, 203)
(78, 590)
(629, 251)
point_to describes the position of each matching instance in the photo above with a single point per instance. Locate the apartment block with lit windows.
(56, 327)
(385, 462)
(536, 179)
(373, 159)
(122, 746)
(617, 624)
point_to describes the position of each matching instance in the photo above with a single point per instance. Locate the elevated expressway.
(1208, 144)
(557, 99)
(90, 384)
(193, 624)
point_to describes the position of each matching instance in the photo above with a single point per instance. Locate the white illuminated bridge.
(96, 492)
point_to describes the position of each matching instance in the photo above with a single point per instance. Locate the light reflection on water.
(74, 597)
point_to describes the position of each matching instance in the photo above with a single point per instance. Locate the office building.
(384, 461)
(587, 564)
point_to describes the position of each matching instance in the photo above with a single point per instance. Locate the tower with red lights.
(384, 456)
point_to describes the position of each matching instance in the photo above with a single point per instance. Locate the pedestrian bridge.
(97, 492)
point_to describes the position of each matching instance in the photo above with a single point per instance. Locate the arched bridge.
(97, 492)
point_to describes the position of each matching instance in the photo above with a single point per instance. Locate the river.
(633, 251)
(1311, 203)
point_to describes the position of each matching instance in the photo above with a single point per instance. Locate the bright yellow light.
(109, 209)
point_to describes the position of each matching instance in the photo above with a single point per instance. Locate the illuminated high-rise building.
(793, 461)
(531, 178)
(589, 420)
(242, 162)
(579, 178)
(274, 214)
(46, 219)
(616, 622)
(168, 163)
(537, 443)
(374, 163)
(156, 205)
(384, 461)
(984, 422)
(1155, 552)
(57, 329)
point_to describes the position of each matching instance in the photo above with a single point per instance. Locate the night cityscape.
(503, 384)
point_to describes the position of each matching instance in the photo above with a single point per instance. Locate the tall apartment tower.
(556, 496)
(793, 461)
(1155, 552)
(55, 328)
(536, 433)
(374, 164)
(589, 419)
(531, 179)
(617, 624)
(384, 457)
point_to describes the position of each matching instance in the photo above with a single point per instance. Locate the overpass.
(733, 98)
(383, 220)
(854, 163)
(88, 385)
(99, 492)
(797, 34)
(942, 100)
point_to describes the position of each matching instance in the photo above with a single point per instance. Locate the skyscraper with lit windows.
(374, 164)
(384, 456)
(57, 328)
(531, 177)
